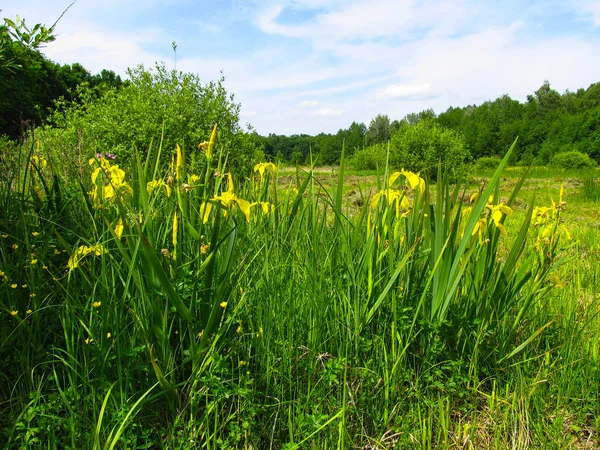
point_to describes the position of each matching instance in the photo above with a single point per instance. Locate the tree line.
(547, 123)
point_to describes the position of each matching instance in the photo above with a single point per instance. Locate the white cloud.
(327, 112)
(405, 90)
(309, 103)
(591, 9)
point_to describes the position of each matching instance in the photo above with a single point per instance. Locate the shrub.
(370, 158)
(572, 160)
(487, 162)
(422, 146)
(154, 105)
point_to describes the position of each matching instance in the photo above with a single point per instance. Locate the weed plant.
(191, 309)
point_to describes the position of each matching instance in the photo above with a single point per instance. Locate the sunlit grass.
(177, 306)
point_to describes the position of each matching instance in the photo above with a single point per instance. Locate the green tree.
(379, 130)
(152, 102)
(422, 146)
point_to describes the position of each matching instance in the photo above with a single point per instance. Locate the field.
(174, 305)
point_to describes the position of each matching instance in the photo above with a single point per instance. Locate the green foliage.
(379, 130)
(591, 188)
(155, 105)
(421, 147)
(31, 84)
(315, 322)
(370, 158)
(572, 160)
(18, 41)
(486, 163)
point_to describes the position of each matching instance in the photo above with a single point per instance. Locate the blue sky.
(311, 66)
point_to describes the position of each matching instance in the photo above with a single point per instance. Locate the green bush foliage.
(572, 160)
(422, 146)
(487, 162)
(370, 158)
(155, 105)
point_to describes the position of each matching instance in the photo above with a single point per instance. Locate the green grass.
(327, 321)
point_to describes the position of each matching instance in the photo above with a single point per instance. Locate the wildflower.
(108, 335)
(497, 213)
(193, 179)
(110, 156)
(479, 227)
(33, 262)
(33, 294)
(266, 207)
(2, 276)
(119, 228)
(115, 181)
(153, 185)
(392, 195)
(414, 180)
(15, 246)
(211, 143)
(14, 313)
(239, 329)
(24, 286)
(45, 267)
(56, 252)
(89, 341)
(13, 286)
(29, 311)
(204, 248)
(4, 236)
(268, 167)
(243, 363)
(223, 304)
(39, 162)
(35, 234)
(83, 251)
(97, 304)
(227, 199)
(179, 163)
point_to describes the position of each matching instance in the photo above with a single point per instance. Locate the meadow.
(166, 302)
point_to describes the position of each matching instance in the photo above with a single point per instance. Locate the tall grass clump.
(189, 308)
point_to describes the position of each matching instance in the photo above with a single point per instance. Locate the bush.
(422, 146)
(369, 158)
(572, 160)
(487, 163)
(153, 102)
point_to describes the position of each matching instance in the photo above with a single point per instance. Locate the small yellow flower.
(45, 267)
(33, 294)
(239, 329)
(33, 262)
(29, 311)
(15, 246)
(4, 236)
(89, 340)
(204, 248)
(243, 363)
(35, 234)
(56, 252)
(108, 335)
(13, 286)
(14, 313)
(23, 286)
(223, 304)
(96, 304)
